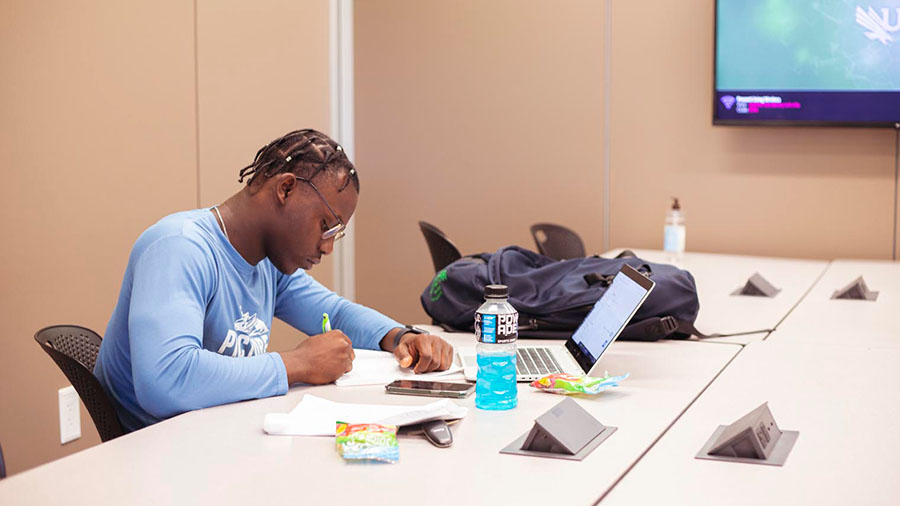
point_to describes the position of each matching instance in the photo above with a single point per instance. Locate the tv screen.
(799, 62)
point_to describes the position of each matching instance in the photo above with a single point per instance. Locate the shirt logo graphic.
(249, 337)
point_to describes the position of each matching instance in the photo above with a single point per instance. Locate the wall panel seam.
(607, 142)
(197, 101)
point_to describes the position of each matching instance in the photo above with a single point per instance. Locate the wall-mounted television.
(807, 62)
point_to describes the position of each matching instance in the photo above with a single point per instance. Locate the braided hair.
(304, 153)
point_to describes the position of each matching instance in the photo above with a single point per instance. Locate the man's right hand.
(320, 359)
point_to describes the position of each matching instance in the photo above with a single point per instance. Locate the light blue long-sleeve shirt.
(191, 326)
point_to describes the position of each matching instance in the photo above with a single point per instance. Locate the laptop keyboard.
(535, 361)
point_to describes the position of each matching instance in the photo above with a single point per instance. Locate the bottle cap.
(675, 205)
(496, 292)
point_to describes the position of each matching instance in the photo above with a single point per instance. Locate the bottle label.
(496, 328)
(674, 238)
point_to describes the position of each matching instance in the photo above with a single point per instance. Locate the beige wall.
(799, 192)
(98, 140)
(262, 72)
(97, 143)
(479, 117)
(486, 117)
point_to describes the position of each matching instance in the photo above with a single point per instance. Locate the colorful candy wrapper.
(569, 384)
(367, 442)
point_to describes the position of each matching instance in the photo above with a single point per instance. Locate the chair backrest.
(557, 241)
(443, 252)
(75, 349)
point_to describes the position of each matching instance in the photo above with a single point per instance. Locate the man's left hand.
(425, 351)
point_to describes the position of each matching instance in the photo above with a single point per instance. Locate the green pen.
(326, 323)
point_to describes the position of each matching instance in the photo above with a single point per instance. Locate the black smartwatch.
(408, 329)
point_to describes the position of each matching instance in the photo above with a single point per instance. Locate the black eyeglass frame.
(337, 231)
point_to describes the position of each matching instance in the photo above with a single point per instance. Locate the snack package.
(367, 442)
(569, 384)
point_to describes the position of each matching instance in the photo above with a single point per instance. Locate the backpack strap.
(650, 329)
(668, 327)
(688, 329)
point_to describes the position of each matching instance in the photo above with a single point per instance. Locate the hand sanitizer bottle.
(674, 233)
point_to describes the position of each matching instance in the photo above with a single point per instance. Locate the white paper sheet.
(315, 416)
(380, 368)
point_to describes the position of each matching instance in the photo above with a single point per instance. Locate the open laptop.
(581, 352)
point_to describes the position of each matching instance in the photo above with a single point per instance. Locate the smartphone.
(430, 388)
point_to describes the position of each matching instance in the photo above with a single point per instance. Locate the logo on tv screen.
(878, 23)
(727, 101)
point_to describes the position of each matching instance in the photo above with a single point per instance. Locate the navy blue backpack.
(554, 296)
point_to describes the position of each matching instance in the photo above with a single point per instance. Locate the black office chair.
(557, 241)
(75, 349)
(443, 252)
(2, 464)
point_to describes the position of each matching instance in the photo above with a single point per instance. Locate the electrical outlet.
(69, 415)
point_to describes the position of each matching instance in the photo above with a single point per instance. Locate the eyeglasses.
(337, 231)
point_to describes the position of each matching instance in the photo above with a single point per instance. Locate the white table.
(221, 456)
(717, 276)
(820, 319)
(845, 402)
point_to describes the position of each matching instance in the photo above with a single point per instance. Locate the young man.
(191, 326)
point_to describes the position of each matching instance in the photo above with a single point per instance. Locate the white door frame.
(342, 127)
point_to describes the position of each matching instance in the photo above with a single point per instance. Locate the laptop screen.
(610, 315)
